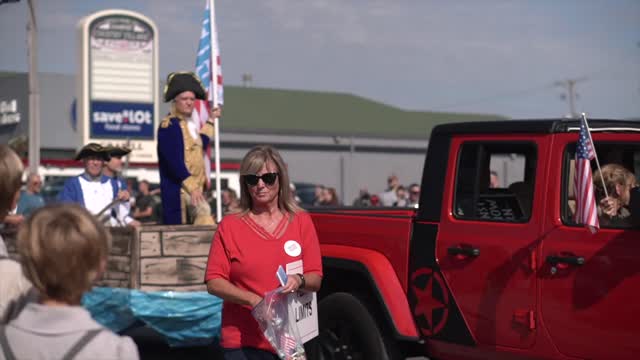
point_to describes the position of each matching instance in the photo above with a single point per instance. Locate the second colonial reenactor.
(181, 144)
(93, 190)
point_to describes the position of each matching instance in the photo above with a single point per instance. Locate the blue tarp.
(184, 318)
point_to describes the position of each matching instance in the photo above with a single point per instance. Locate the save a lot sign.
(119, 82)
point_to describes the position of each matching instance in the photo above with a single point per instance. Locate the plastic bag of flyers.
(273, 317)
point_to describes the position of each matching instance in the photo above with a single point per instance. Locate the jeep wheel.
(347, 331)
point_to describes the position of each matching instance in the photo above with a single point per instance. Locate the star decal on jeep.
(432, 301)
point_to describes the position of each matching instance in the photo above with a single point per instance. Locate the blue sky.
(491, 56)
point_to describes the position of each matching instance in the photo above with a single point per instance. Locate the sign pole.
(34, 91)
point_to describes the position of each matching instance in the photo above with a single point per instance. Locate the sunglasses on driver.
(267, 178)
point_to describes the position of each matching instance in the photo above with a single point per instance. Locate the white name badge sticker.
(303, 307)
(292, 248)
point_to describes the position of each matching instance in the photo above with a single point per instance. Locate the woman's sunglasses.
(267, 178)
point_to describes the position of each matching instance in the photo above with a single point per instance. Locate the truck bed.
(384, 230)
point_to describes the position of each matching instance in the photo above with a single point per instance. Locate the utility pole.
(570, 86)
(247, 79)
(34, 90)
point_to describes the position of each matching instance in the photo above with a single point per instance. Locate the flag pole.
(214, 89)
(604, 186)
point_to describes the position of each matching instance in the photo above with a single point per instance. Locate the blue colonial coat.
(181, 163)
(72, 191)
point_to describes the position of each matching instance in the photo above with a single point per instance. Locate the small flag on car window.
(586, 211)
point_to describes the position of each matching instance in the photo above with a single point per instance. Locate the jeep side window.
(495, 181)
(620, 164)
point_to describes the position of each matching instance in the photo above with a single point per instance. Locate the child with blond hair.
(13, 285)
(63, 250)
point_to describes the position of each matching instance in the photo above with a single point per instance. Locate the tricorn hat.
(116, 151)
(179, 82)
(92, 149)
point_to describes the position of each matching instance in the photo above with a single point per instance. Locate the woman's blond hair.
(10, 179)
(612, 174)
(251, 164)
(62, 249)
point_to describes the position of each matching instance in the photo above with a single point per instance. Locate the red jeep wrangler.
(479, 272)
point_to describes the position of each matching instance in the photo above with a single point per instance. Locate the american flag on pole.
(208, 51)
(586, 211)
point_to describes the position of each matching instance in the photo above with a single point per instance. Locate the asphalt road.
(152, 345)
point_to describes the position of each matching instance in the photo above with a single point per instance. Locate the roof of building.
(324, 113)
(296, 112)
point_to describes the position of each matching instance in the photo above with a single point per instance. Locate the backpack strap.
(80, 344)
(15, 306)
(4, 344)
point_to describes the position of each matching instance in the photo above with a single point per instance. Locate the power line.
(570, 86)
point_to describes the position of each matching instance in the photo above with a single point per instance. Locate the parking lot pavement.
(152, 345)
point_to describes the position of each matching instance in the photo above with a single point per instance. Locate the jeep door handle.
(466, 251)
(570, 260)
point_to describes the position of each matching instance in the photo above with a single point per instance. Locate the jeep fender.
(383, 279)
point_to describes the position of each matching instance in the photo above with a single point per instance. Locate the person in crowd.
(363, 199)
(389, 196)
(131, 186)
(30, 199)
(414, 195)
(13, 284)
(63, 250)
(494, 180)
(143, 211)
(294, 193)
(269, 231)
(182, 173)
(12, 220)
(330, 197)
(613, 210)
(95, 191)
(318, 195)
(230, 202)
(401, 196)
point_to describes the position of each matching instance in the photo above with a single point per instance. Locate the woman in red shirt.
(269, 230)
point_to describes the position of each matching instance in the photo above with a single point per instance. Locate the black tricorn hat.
(116, 151)
(179, 82)
(92, 149)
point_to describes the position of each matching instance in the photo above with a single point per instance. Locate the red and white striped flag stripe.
(586, 210)
(288, 344)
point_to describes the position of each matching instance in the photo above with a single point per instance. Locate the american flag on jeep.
(586, 211)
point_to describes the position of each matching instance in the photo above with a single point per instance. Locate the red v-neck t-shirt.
(247, 256)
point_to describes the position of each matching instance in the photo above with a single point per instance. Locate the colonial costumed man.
(113, 169)
(181, 144)
(93, 190)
